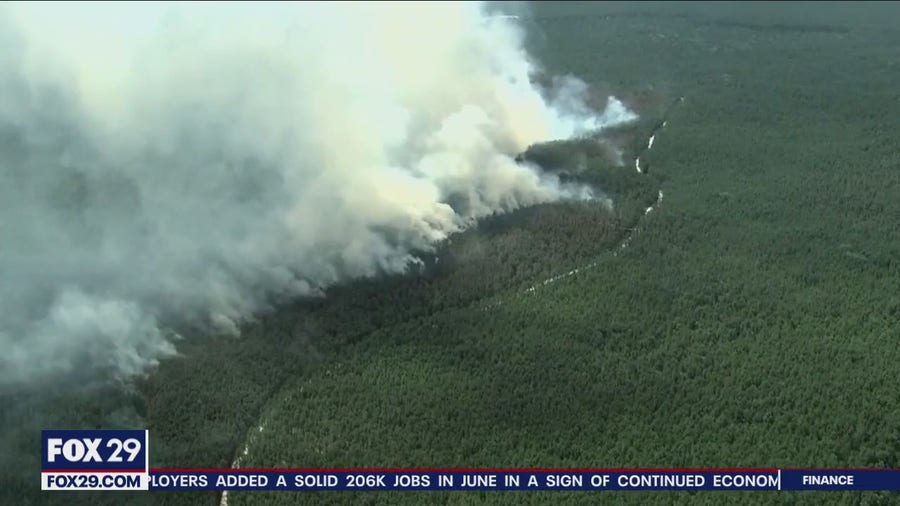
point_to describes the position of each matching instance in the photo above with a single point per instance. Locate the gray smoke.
(198, 162)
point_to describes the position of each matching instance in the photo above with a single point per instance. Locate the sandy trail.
(532, 289)
(634, 231)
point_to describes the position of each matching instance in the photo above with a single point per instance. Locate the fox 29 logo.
(94, 450)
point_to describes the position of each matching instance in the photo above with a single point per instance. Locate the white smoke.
(198, 161)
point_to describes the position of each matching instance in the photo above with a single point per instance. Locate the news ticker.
(119, 460)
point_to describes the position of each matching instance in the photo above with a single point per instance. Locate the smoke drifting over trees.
(191, 164)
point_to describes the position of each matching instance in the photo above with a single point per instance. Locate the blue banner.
(840, 479)
(319, 480)
(118, 460)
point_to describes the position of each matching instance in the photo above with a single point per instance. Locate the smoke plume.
(196, 162)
